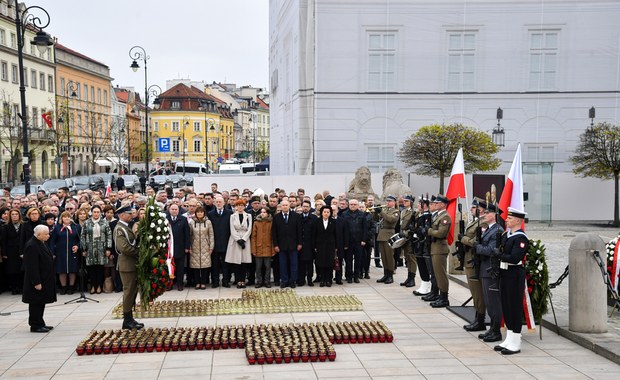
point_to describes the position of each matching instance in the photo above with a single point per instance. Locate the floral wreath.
(610, 247)
(153, 273)
(537, 278)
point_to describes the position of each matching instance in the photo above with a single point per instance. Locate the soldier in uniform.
(127, 248)
(440, 249)
(407, 221)
(468, 239)
(388, 217)
(422, 251)
(512, 280)
(485, 248)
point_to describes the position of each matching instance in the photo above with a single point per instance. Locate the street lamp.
(592, 115)
(43, 41)
(137, 53)
(70, 91)
(185, 124)
(498, 132)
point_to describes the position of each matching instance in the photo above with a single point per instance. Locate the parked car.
(158, 182)
(108, 179)
(52, 185)
(19, 190)
(81, 182)
(177, 180)
(132, 183)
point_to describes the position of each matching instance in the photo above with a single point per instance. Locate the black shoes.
(410, 281)
(493, 336)
(339, 282)
(389, 279)
(129, 323)
(430, 297)
(477, 324)
(42, 329)
(293, 285)
(367, 276)
(442, 301)
(356, 280)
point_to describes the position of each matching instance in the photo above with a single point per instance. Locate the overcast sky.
(209, 40)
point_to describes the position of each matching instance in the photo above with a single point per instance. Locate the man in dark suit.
(306, 255)
(220, 220)
(180, 235)
(342, 241)
(39, 278)
(358, 227)
(286, 234)
(127, 247)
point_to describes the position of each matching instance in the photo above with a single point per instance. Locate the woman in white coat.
(238, 252)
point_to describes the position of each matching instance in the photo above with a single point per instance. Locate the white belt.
(504, 265)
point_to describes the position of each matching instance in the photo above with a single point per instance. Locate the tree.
(95, 137)
(598, 155)
(433, 148)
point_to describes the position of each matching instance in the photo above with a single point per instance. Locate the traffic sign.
(163, 144)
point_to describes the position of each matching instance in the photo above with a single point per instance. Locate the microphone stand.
(82, 298)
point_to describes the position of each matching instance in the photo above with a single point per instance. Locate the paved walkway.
(429, 343)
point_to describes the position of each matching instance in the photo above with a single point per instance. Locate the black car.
(132, 183)
(81, 182)
(96, 183)
(52, 185)
(177, 180)
(158, 182)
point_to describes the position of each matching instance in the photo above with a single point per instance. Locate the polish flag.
(108, 190)
(512, 196)
(456, 189)
(615, 268)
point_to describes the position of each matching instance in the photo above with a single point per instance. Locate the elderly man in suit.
(286, 235)
(182, 243)
(127, 248)
(39, 278)
(220, 220)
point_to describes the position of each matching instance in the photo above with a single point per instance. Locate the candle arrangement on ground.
(263, 344)
(251, 302)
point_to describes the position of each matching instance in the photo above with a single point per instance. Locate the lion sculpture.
(361, 187)
(393, 184)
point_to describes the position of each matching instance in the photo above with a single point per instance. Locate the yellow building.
(178, 127)
(83, 105)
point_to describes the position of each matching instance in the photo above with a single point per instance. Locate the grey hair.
(40, 228)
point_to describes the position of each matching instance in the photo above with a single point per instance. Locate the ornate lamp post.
(137, 53)
(70, 91)
(43, 41)
(498, 132)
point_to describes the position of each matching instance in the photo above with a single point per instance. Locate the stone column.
(587, 293)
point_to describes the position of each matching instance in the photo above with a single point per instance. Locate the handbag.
(336, 264)
(108, 285)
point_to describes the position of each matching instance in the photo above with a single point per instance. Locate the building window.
(105, 98)
(539, 152)
(35, 117)
(62, 87)
(461, 61)
(85, 92)
(33, 78)
(2, 37)
(92, 94)
(197, 145)
(175, 104)
(25, 77)
(175, 126)
(5, 71)
(14, 73)
(42, 81)
(77, 91)
(381, 60)
(175, 145)
(50, 83)
(98, 96)
(379, 157)
(13, 41)
(156, 126)
(196, 126)
(543, 60)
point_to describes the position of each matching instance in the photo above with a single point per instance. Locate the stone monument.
(361, 187)
(393, 184)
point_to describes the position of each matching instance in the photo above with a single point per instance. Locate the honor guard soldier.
(421, 248)
(127, 249)
(469, 239)
(438, 234)
(388, 216)
(407, 221)
(512, 280)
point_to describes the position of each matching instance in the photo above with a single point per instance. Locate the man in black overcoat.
(306, 255)
(220, 220)
(286, 234)
(39, 278)
(180, 234)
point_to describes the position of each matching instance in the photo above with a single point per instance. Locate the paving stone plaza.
(428, 343)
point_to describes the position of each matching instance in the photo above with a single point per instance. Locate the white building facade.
(350, 80)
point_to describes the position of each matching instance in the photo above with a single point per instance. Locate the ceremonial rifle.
(476, 258)
(460, 248)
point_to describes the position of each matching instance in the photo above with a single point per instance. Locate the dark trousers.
(95, 275)
(423, 269)
(15, 281)
(326, 274)
(338, 274)
(275, 265)
(512, 285)
(201, 275)
(240, 270)
(306, 271)
(492, 298)
(252, 271)
(366, 253)
(35, 315)
(353, 259)
(179, 271)
(377, 254)
(288, 266)
(431, 273)
(219, 265)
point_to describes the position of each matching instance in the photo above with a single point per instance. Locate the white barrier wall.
(573, 198)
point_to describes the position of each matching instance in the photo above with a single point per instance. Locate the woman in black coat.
(39, 279)
(65, 245)
(11, 254)
(325, 245)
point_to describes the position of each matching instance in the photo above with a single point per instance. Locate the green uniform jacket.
(439, 230)
(390, 217)
(127, 248)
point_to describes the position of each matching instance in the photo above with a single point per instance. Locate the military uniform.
(439, 252)
(127, 248)
(407, 217)
(475, 286)
(389, 218)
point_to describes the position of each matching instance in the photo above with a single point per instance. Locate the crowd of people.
(243, 238)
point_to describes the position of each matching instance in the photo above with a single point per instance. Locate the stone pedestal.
(587, 292)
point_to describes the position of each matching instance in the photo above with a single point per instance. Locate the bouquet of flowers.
(610, 248)
(154, 272)
(537, 278)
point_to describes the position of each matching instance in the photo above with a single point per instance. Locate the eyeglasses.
(69, 209)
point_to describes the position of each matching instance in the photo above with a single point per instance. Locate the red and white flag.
(108, 190)
(512, 196)
(456, 189)
(615, 268)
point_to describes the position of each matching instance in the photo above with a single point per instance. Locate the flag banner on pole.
(615, 269)
(47, 117)
(170, 256)
(455, 190)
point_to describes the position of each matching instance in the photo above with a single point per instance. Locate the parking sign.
(164, 144)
